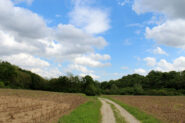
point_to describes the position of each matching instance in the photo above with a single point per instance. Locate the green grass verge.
(137, 113)
(117, 115)
(85, 113)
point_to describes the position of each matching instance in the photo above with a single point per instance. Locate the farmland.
(24, 106)
(166, 108)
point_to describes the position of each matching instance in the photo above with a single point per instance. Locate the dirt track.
(107, 113)
(108, 116)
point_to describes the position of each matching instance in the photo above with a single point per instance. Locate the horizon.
(103, 39)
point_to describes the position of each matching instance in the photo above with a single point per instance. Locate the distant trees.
(90, 87)
(14, 77)
(155, 83)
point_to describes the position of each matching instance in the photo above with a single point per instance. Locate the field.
(166, 108)
(24, 106)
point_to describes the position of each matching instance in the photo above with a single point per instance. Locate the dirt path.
(107, 113)
(128, 117)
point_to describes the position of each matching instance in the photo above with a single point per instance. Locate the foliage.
(2, 85)
(155, 83)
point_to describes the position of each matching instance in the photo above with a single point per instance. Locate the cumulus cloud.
(100, 57)
(31, 30)
(82, 70)
(179, 63)
(140, 71)
(163, 65)
(25, 32)
(150, 61)
(170, 33)
(19, 59)
(90, 19)
(89, 61)
(160, 51)
(170, 8)
(79, 68)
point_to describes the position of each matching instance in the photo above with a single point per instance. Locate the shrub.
(91, 90)
(2, 85)
(127, 91)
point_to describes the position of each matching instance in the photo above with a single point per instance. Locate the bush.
(138, 89)
(2, 85)
(91, 90)
(127, 91)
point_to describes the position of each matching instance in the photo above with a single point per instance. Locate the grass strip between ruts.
(117, 115)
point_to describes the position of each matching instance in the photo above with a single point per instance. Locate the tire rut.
(108, 116)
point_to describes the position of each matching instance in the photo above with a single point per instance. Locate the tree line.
(155, 83)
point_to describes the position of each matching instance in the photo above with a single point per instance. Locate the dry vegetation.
(167, 108)
(23, 106)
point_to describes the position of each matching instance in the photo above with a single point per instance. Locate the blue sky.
(106, 39)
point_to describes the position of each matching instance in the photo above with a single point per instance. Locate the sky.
(106, 39)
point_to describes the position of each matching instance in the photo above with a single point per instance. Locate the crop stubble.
(167, 108)
(23, 106)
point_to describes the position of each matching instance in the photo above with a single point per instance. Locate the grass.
(85, 113)
(117, 115)
(138, 114)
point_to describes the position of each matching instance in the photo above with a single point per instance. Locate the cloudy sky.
(102, 38)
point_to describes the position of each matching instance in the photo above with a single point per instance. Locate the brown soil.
(167, 108)
(24, 106)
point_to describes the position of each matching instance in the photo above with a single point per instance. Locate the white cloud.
(80, 68)
(179, 63)
(170, 8)
(163, 65)
(170, 33)
(140, 71)
(90, 19)
(99, 56)
(26, 61)
(160, 51)
(91, 74)
(31, 30)
(25, 32)
(88, 61)
(169, 17)
(150, 61)
(47, 72)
